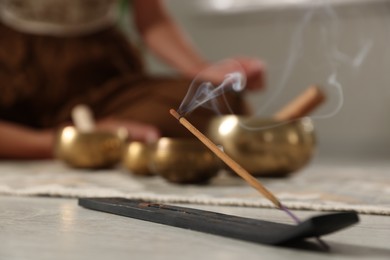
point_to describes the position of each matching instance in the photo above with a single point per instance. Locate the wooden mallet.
(302, 105)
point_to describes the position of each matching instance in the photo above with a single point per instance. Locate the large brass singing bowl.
(137, 158)
(265, 147)
(184, 161)
(88, 150)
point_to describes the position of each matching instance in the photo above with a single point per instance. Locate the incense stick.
(226, 159)
(238, 169)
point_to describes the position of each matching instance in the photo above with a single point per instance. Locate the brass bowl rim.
(179, 140)
(263, 123)
(261, 119)
(97, 132)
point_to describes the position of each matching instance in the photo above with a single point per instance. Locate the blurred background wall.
(334, 43)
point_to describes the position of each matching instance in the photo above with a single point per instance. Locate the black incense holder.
(253, 230)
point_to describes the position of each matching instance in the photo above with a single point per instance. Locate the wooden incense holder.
(229, 161)
(302, 105)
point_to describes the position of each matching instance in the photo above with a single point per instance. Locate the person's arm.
(165, 39)
(19, 142)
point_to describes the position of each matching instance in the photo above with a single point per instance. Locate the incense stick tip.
(174, 113)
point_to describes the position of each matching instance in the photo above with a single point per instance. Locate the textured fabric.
(58, 17)
(325, 186)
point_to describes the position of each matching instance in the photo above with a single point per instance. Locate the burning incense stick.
(302, 105)
(229, 161)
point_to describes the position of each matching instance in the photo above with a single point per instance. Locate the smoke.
(323, 16)
(213, 82)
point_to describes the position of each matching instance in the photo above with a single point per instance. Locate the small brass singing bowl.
(88, 150)
(184, 161)
(136, 158)
(265, 147)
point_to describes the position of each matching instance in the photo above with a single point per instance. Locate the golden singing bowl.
(181, 160)
(264, 147)
(88, 150)
(137, 158)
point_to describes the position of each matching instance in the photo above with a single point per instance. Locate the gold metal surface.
(88, 150)
(137, 158)
(184, 161)
(265, 147)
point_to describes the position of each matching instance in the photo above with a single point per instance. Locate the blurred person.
(56, 54)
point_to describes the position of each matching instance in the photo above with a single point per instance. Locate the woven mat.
(363, 187)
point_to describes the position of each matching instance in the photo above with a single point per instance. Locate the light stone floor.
(57, 228)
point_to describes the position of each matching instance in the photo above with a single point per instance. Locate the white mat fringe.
(320, 187)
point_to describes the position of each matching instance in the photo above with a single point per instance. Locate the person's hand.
(252, 69)
(136, 131)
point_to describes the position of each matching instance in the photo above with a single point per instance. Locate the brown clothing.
(43, 77)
